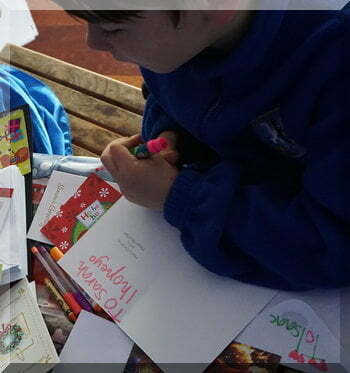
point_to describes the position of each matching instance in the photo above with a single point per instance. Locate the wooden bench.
(100, 109)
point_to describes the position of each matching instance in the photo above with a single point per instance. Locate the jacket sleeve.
(156, 120)
(191, 150)
(263, 234)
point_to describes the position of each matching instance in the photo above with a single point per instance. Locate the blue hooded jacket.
(264, 196)
(50, 124)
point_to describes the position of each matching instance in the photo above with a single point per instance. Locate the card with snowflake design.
(74, 218)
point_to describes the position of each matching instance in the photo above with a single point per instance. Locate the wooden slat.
(107, 115)
(110, 116)
(82, 79)
(77, 150)
(90, 136)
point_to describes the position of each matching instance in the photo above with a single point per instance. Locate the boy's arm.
(156, 121)
(263, 234)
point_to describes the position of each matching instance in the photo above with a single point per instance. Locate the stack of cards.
(13, 246)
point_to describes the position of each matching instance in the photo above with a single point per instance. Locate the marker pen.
(79, 297)
(66, 294)
(144, 151)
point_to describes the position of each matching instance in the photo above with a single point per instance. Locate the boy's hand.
(145, 182)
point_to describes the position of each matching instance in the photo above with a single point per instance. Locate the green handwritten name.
(292, 326)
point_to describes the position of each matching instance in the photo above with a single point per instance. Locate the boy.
(254, 105)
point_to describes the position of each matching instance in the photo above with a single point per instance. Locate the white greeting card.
(293, 330)
(133, 264)
(307, 329)
(13, 245)
(24, 337)
(94, 340)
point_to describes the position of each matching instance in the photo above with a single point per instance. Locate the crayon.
(57, 254)
(66, 294)
(79, 297)
(58, 298)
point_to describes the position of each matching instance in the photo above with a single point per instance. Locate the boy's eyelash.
(111, 32)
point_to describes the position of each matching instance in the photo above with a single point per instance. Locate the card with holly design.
(75, 217)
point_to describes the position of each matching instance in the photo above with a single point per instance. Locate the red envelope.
(74, 218)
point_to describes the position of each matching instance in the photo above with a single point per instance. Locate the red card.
(74, 218)
(6, 192)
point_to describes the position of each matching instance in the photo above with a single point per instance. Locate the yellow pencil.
(59, 299)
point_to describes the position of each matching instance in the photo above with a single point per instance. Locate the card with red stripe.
(6, 192)
(74, 218)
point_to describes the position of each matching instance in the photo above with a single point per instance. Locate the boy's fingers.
(129, 142)
(120, 154)
(117, 152)
(108, 163)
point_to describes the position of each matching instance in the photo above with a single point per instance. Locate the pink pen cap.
(157, 145)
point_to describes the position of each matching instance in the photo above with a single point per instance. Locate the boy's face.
(153, 41)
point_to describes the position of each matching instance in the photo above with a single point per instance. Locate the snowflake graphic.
(64, 229)
(104, 192)
(82, 205)
(77, 194)
(64, 245)
(59, 214)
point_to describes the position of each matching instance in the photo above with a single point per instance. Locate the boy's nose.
(96, 39)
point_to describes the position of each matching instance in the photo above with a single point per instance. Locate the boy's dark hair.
(117, 16)
(96, 16)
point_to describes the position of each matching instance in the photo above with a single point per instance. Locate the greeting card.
(14, 144)
(74, 218)
(13, 245)
(24, 339)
